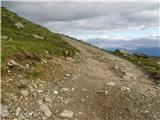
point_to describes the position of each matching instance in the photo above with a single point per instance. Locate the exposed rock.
(44, 61)
(65, 89)
(4, 111)
(24, 92)
(45, 109)
(40, 91)
(67, 114)
(18, 110)
(37, 36)
(12, 63)
(48, 99)
(19, 25)
(106, 92)
(55, 92)
(128, 76)
(111, 84)
(67, 75)
(125, 88)
(70, 59)
(4, 37)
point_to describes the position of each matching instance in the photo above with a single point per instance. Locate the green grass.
(21, 41)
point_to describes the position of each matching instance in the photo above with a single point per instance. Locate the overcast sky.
(93, 20)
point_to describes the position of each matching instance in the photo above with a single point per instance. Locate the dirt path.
(96, 86)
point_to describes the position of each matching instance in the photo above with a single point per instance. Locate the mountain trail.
(94, 85)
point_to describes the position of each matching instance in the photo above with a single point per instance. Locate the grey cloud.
(80, 18)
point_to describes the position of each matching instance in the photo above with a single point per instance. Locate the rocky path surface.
(94, 85)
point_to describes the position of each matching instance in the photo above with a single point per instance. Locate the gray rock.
(106, 92)
(67, 75)
(18, 110)
(111, 84)
(67, 114)
(19, 25)
(45, 109)
(24, 92)
(125, 89)
(12, 63)
(48, 99)
(55, 92)
(4, 37)
(37, 36)
(4, 111)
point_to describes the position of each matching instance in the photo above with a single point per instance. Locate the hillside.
(23, 38)
(47, 76)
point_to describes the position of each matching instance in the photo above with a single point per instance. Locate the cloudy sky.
(104, 24)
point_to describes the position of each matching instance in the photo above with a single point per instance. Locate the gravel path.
(94, 85)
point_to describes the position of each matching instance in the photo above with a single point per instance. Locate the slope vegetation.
(23, 38)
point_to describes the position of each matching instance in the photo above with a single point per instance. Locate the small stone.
(82, 100)
(125, 88)
(25, 92)
(55, 92)
(18, 110)
(65, 89)
(12, 63)
(45, 109)
(106, 92)
(67, 75)
(84, 89)
(37, 36)
(44, 118)
(70, 59)
(19, 25)
(48, 99)
(40, 91)
(111, 84)
(67, 101)
(4, 111)
(72, 89)
(4, 37)
(67, 114)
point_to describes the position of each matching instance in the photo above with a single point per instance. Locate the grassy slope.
(21, 41)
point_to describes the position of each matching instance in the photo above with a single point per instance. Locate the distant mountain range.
(152, 51)
(146, 45)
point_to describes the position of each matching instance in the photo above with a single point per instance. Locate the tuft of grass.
(21, 41)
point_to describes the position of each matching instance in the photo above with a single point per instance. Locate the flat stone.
(111, 84)
(106, 92)
(45, 109)
(125, 89)
(4, 37)
(18, 110)
(48, 99)
(67, 75)
(24, 92)
(19, 25)
(37, 36)
(65, 89)
(67, 114)
(4, 111)
(55, 92)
